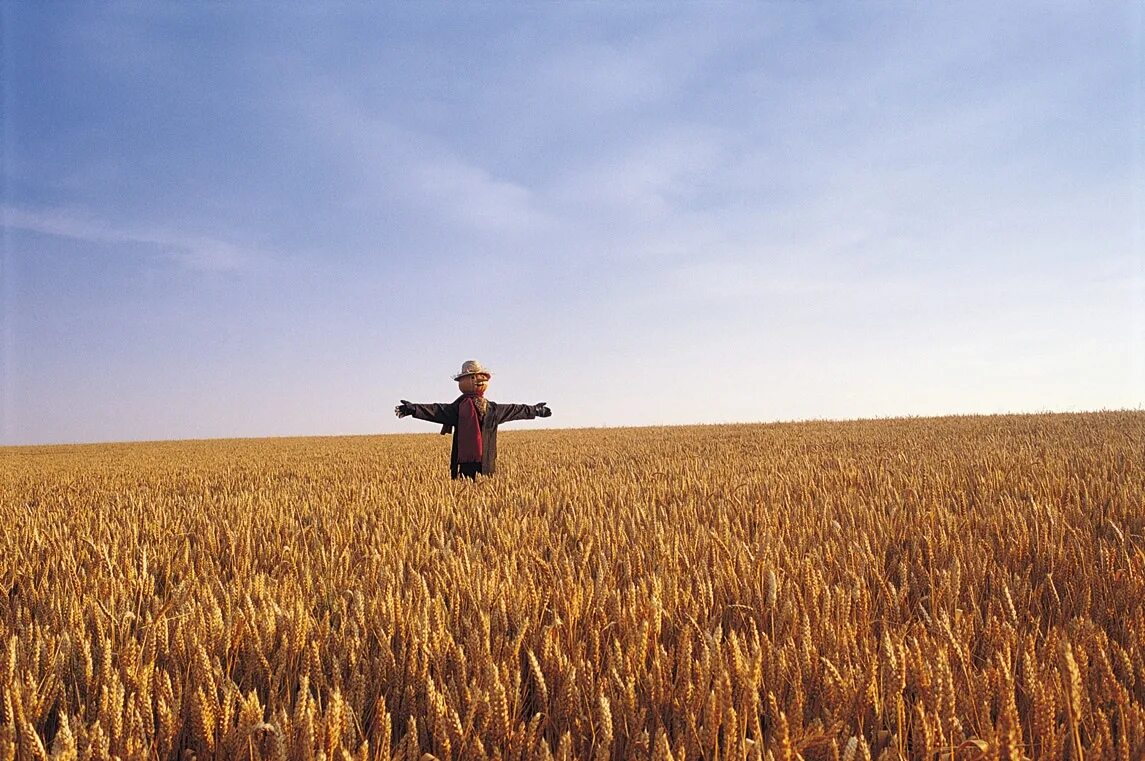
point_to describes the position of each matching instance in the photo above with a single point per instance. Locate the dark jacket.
(446, 414)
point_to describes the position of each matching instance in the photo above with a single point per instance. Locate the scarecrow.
(473, 420)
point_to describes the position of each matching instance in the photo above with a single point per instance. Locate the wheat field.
(946, 588)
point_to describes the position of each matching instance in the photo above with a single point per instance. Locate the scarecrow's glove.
(405, 409)
(541, 409)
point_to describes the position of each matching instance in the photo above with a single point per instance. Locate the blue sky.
(256, 219)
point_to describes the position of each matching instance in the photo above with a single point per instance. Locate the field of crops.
(951, 588)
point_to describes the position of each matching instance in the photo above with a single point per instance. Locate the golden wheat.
(952, 588)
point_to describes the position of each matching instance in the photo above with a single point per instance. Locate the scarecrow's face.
(473, 384)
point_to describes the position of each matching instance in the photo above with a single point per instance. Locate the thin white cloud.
(471, 195)
(596, 73)
(199, 253)
(389, 164)
(654, 176)
(736, 281)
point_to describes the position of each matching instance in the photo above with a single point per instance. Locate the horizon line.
(1140, 409)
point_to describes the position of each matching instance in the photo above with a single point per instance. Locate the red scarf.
(470, 447)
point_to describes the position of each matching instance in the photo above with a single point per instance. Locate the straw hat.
(472, 367)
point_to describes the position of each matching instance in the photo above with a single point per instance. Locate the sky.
(278, 219)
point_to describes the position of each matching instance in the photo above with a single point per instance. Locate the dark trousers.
(468, 470)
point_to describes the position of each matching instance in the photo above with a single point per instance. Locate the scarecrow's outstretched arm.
(446, 414)
(509, 412)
